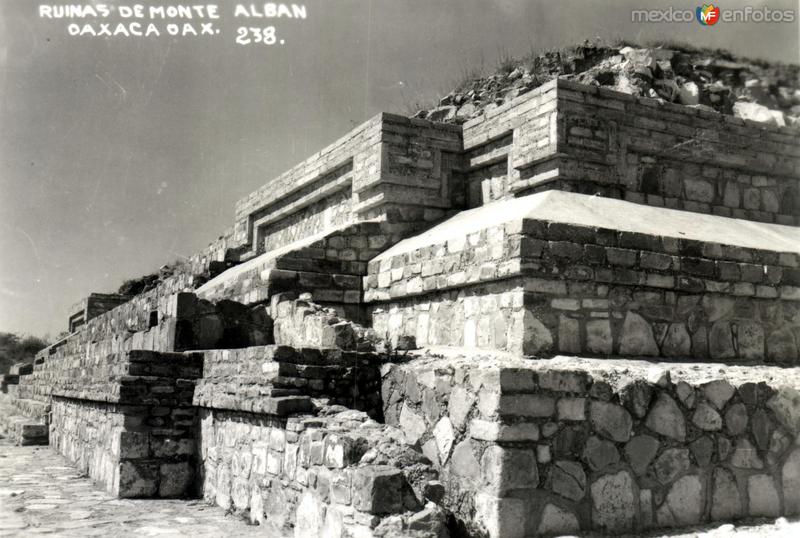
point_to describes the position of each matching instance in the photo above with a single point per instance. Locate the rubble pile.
(748, 89)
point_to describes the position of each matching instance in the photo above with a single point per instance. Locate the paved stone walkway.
(42, 494)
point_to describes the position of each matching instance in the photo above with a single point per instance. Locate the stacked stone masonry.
(129, 422)
(568, 136)
(333, 474)
(270, 373)
(388, 161)
(281, 380)
(93, 306)
(539, 287)
(556, 447)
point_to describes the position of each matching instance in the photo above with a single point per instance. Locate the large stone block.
(506, 469)
(614, 502)
(378, 489)
(137, 479)
(500, 517)
(665, 417)
(683, 504)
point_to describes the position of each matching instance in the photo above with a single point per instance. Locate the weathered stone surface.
(526, 405)
(598, 337)
(683, 504)
(786, 406)
(569, 335)
(459, 406)
(430, 407)
(176, 479)
(718, 392)
(571, 409)
(763, 496)
(736, 419)
(568, 480)
(600, 453)
(430, 450)
(536, 338)
(500, 517)
(703, 450)
(636, 396)
(665, 417)
(614, 503)
(745, 456)
(750, 339)
(486, 430)
(762, 427)
(412, 424)
(558, 521)
(378, 489)
(723, 447)
(677, 342)
(782, 346)
(777, 446)
(137, 479)
(611, 421)
(790, 476)
(637, 337)
(672, 463)
(706, 418)
(444, 435)
(463, 461)
(720, 341)
(640, 452)
(699, 190)
(757, 112)
(504, 469)
(726, 503)
(686, 394)
(564, 381)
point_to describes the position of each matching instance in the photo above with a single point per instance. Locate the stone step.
(31, 408)
(21, 429)
(565, 272)
(282, 406)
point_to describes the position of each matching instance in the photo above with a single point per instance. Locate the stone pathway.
(42, 494)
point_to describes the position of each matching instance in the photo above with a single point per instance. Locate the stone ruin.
(577, 311)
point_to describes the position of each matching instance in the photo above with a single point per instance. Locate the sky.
(118, 155)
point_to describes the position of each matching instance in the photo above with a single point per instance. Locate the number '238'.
(247, 36)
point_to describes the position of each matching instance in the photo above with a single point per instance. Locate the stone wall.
(539, 287)
(179, 322)
(569, 136)
(280, 380)
(506, 138)
(568, 445)
(337, 474)
(128, 422)
(678, 157)
(389, 160)
(93, 306)
(331, 212)
(487, 315)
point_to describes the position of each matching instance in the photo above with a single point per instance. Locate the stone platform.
(555, 245)
(568, 445)
(566, 272)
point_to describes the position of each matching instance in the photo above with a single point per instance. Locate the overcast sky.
(119, 155)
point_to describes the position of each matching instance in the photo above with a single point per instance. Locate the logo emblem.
(708, 15)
